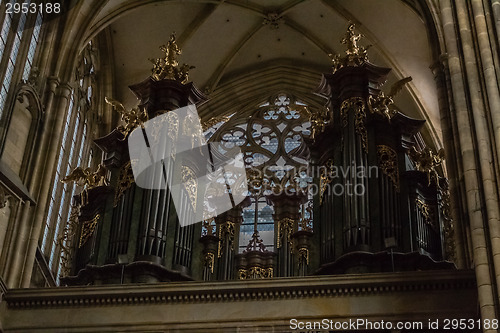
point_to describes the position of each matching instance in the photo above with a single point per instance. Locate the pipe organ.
(370, 197)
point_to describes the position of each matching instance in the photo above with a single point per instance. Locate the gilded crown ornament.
(355, 55)
(168, 66)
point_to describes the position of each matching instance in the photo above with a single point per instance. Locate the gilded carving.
(132, 118)
(448, 225)
(65, 241)
(319, 120)
(125, 181)
(255, 273)
(355, 55)
(87, 178)
(382, 103)
(358, 105)
(88, 228)
(172, 125)
(303, 256)
(226, 230)
(285, 225)
(168, 66)
(209, 260)
(426, 212)
(190, 184)
(388, 163)
(427, 161)
(213, 121)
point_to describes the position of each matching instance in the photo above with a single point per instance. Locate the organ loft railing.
(346, 187)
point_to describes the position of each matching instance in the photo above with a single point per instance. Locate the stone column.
(474, 197)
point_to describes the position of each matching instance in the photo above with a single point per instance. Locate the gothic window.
(33, 44)
(13, 35)
(71, 155)
(271, 138)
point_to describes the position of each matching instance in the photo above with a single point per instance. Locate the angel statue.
(171, 50)
(426, 161)
(351, 40)
(87, 178)
(132, 118)
(381, 103)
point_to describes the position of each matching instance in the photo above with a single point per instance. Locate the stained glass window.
(271, 137)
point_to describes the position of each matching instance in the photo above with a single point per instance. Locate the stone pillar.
(473, 165)
(56, 106)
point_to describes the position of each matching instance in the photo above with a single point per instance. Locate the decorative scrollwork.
(388, 162)
(255, 273)
(209, 261)
(65, 241)
(190, 184)
(285, 225)
(226, 230)
(213, 121)
(125, 181)
(303, 253)
(168, 66)
(426, 212)
(325, 178)
(448, 225)
(88, 228)
(358, 105)
(319, 120)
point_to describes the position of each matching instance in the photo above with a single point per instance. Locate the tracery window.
(271, 137)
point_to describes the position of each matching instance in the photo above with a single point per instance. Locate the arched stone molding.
(23, 121)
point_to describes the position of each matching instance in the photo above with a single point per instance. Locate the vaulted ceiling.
(232, 42)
